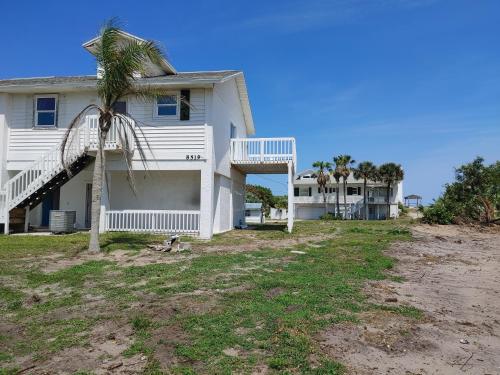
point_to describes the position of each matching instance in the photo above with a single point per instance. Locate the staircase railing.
(81, 139)
(33, 177)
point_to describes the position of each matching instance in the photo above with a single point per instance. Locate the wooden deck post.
(291, 208)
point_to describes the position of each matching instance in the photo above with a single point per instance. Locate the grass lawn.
(240, 303)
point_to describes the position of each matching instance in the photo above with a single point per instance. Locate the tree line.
(343, 166)
(264, 195)
(474, 196)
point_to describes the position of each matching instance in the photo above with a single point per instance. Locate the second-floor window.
(120, 107)
(354, 190)
(45, 111)
(167, 106)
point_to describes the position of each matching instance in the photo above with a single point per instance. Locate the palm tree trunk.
(388, 215)
(97, 181)
(365, 205)
(337, 199)
(345, 198)
(324, 199)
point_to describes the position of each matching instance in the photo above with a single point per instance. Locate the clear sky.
(416, 82)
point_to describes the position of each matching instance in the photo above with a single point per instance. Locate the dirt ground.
(450, 273)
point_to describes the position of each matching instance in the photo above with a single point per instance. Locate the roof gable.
(164, 68)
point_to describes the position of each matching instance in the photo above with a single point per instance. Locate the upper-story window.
(353, 190)
(46, 111)
(167, 106)
(120, 107)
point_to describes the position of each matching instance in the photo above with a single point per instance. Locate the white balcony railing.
(262, 150)
(117, 135)
(378, 200)
(351, 199)
(164, 221)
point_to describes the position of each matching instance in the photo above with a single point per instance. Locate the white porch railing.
(165, 221)
(262, 150)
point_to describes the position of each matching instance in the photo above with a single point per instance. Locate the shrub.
(330, 216)
(473, 196)
(438, 213)
(402, 208)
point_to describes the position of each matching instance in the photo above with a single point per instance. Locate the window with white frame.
(45, 111)
(167, 106)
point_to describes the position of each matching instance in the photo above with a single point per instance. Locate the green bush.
(438, 213)
(402, 208)
(474, 196)
(330, 216)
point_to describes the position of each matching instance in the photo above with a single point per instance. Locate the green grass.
(267, 305)
(33, 245)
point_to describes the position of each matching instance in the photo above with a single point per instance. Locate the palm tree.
(365, 170)
(120, 60)
(390, 173)
(323, 177)
(336, 175)
(344, 164)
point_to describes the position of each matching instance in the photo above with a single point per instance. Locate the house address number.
(193, 157)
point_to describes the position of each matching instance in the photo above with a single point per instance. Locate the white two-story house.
(197, 156)
(309, 203)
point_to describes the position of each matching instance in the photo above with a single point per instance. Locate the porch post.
(207, 187)
(291, 208)
(206, 202)
(26, 218)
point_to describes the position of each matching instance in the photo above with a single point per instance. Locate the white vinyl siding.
(144, 111)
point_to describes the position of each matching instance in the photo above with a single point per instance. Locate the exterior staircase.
(29, 186)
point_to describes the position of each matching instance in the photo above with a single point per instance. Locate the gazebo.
(413, 197)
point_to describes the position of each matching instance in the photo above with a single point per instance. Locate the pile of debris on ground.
(173, 245)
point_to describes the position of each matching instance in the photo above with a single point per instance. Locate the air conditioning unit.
(61, 221)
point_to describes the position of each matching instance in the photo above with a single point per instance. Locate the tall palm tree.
(390, 173)
(336, 175)
(344, 164)
(120, 60)
(323, 177)
(365, 170)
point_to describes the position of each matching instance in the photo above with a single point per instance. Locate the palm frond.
(69, 131)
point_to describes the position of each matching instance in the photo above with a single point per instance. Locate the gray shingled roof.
(91, 80)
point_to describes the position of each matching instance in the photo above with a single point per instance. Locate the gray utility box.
(62, 221)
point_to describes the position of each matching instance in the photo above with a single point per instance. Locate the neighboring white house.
(309, 204)
(197, 155)
(278, 213)
(254, 214)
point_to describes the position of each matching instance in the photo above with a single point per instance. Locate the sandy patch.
(452, 274)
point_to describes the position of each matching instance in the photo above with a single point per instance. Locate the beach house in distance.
(309, 204)
(197, 155)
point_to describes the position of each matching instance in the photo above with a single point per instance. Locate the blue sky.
(411, 81)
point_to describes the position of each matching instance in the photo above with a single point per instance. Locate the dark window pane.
(45, 104)
(167, 99)
(46, 118)
(167, 110)
(120, 107)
